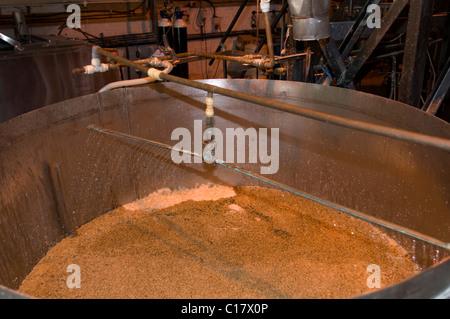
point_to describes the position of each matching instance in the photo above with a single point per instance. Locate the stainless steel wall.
(42, 75)
(396, 181)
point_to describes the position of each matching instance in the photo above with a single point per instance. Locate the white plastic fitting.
(102, 67)
(154, 74)
(208, 152)
(265, 6)
(209, 106)
(96, 65)
(95, 62)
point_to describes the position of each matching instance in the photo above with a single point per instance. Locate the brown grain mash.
(220, 242)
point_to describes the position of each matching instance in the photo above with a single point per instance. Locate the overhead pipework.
(96, 65)
(380, 130)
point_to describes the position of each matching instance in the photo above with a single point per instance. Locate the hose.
(114, 85)
(118, 84)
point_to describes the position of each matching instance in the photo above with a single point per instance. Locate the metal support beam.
(415, 58)
(353, 35)
(333, 56)
(357, 29)
(373, 41)
(439, 92)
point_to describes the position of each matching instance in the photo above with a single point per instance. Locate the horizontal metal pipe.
(381, 130)
(256, 61)
(232, 56)
(226, 56)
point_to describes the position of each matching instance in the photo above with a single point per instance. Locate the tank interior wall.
(37, 65)
(403, 183)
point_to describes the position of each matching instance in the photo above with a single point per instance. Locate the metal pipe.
(253, 60)
(381, 130)
(247, 59)
(283, 23)
(269, 40)
(275, 21)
